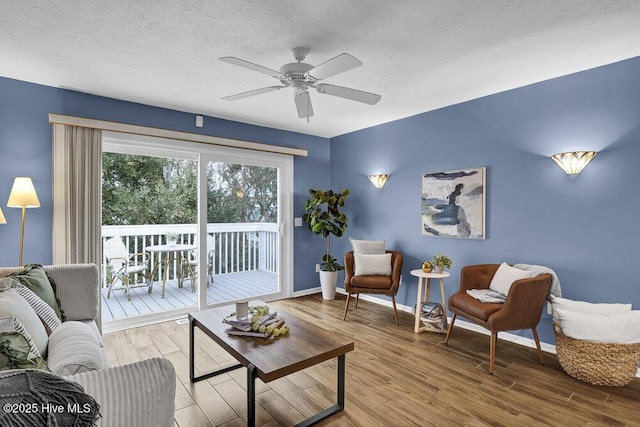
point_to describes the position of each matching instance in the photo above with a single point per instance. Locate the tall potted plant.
(323, 217)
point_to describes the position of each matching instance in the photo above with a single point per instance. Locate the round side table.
(166, 253)
(421, 275)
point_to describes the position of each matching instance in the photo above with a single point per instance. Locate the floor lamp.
(23, 195)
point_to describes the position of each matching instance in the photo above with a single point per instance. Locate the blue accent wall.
(25, 150)
(584, 227)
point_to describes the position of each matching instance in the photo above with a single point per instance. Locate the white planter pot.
(328, 280)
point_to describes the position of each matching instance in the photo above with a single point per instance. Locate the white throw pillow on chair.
(505, 276)
(372, 265)
(367, 247)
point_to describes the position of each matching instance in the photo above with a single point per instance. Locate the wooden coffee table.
(305, 345)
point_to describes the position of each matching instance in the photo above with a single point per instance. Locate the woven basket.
(596, 362)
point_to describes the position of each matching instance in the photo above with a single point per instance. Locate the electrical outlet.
(317, 268)
(297, 222)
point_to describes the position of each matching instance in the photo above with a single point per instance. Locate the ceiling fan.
(301, 76)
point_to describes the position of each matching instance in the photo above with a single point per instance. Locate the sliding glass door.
(213, 224)
(245, 228)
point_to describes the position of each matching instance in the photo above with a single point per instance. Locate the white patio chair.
(123, 265)
(191, 263)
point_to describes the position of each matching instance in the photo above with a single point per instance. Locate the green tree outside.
(154, 190)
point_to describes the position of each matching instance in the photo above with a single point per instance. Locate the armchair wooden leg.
(395, 310)
(453, 320)
(357, 299)
(535, 337)
(346, 307)
(492, 351)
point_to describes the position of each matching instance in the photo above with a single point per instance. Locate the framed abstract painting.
(453, 203)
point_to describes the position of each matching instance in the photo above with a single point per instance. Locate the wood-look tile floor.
(394, 378)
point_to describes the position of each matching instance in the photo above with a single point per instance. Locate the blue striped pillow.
(47, 315)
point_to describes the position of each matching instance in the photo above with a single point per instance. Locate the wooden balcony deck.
(226, 287)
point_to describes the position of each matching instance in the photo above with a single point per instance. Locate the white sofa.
(139, 394)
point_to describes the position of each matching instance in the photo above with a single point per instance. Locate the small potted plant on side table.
(440, 262)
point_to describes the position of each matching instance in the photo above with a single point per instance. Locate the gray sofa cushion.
(140, 394)
(74, 348)
(78, 287)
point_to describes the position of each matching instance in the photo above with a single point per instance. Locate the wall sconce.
(379, 180)
(23, 195)
(572, 162)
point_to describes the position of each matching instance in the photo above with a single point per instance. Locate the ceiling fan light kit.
(301, 76)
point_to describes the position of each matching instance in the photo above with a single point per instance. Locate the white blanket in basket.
(621, 327)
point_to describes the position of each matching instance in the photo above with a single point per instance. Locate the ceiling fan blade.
(303, 104)
(348, 93)
(250, 65)
(249, 93)
(333, 66)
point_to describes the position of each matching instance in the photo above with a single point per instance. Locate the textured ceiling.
(418, 54)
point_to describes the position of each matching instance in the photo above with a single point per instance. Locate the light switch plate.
(297, 222)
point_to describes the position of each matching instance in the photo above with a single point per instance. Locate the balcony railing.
(238, 247)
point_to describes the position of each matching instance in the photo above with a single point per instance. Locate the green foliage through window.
(154, 190)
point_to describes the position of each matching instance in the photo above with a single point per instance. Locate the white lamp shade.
(573, 162)
(23, 194)
(378, 180)
(2, 218)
